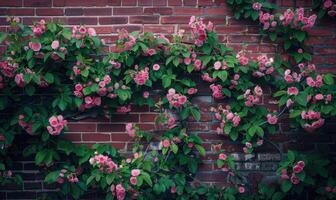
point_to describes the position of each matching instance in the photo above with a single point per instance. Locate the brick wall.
(168, 16)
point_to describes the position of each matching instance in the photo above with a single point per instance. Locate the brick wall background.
(167, 17)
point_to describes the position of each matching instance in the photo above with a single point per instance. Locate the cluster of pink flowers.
(27, 126)
(272, 119)
(291, 77)
(206, 77)
(242, 59)
(251, 99)
(71, 177)
(174, 99)
(134, 173)
(298, 167)
(320, 97)
(292, 91)
(318, 82)
(124, 109)
(7, 68)
(118, 191)
(19, 80)
(141, 76)
(330, 6)
(295, 19)
(128, 40)
(312, 115)
(81, 32)
(234, 82)
(104, 163)
(265, 66)
(220, 65)
(39, 28)
(330, 189)
(2, 85)
(77, 68)
(115, 64)
(216, 91)
(130, 130)
(56, 124)
(199, 30)
(224, 115)
(6, 174)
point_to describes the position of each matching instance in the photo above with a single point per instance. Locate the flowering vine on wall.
(49, 73)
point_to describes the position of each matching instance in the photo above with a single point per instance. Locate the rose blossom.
(272, 119)
(133, 180)
(241, 189)
(217, 65)
(35, 46)
(135, 172)
(222, 156)
(91, 32)
(55, 44)
(166, 143)
(156, 67)
(295, 180)
(292, 91)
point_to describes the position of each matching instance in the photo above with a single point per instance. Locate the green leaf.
(234, 135)
(86, 91)
(52, 177)
(286, 186)
(166, 81)
(300, 35)
(301, 98)
(222, 75)
(66, 33)
(200, 149)
(279, 93)
(49, 77)
(278, 196)
(251, 131)
(174, 148)
(146, 178)
(328, 79)
(273, 36)
(52, 26)
(30, 90)
(195, 113)
(190, 68)
(291, 156)
(40, 156)
(3, 36)
(185, 113)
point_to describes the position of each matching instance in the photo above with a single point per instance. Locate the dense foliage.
(50, 74)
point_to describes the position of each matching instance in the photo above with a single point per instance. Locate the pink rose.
(78, 87)
(82, 30)
(222, 156)
(241, 189)
(53, 121)
(55, 44)
(166, 143)
(292, 91)
(319, 96)
(217, 65)
(35, 46)
(156, 67)
(192, 91)
(327, 4)
(295, 180)
(272, 119)
(91, 32)
(297, 169)
(135, 172)
(173, 189)
(145, 94)
(187, 61)
(133, 180)
(301, 163)
(256, 6)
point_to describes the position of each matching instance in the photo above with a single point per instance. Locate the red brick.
(125, 118)
(76, 127)
(230, 29)
(325, 50)
(189, 2)
(114, 2)
(158, 10)
(17, 12)
(82, 20)
(140, 108)
(204, 2)
(97, 11)
(118, 145)
(146, 127)
(86, 3)
(159, 29)
(74, 11)
(103, 29)
(188, 11)
(145, 2)
(113, 20)
(129, 28)
(11, 3)
(174, 19)
(148, 117)
(49, 12)
(129, 2)
(96, 137)
(174, 2)
(159, 2)
(127, 11)
(73, 136)
(217, 11)
(144, 19)
(30, 20)
(120, 137)
(111, 127)
(37, 3)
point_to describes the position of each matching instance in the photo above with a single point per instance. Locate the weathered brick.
(113, 20)
(144, 19)
(128, 11)
(158, 10)
(37, 3)
(49, 12)
(97, 11)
